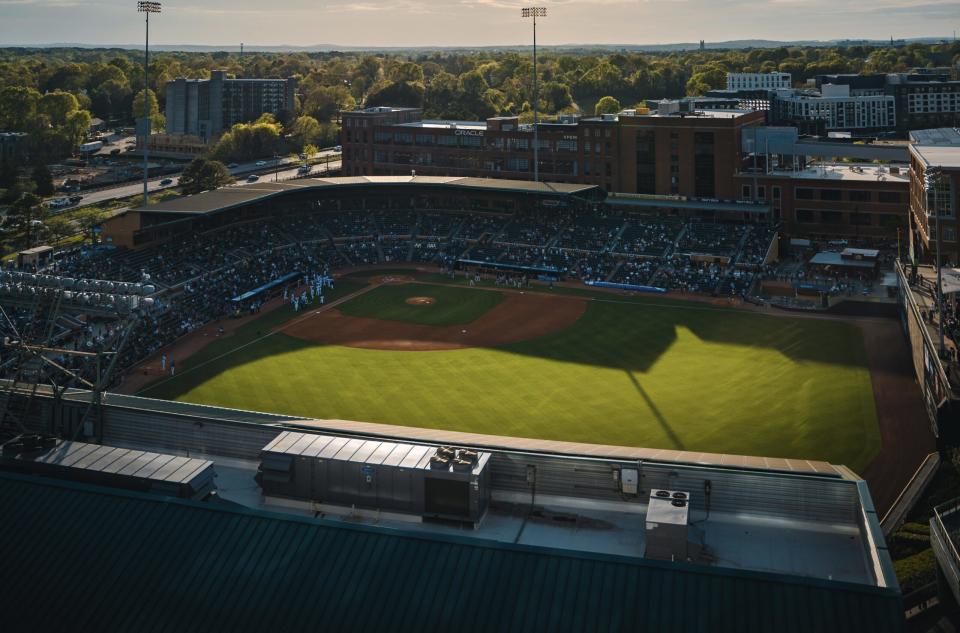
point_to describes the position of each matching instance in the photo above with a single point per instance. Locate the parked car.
(338, 149)
(232, 166)
(75, 199)
(261, 163)
(166, 181)
(253, 178)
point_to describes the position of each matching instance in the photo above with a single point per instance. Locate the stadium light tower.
(930, 180)
(146, 7)
(535, 12)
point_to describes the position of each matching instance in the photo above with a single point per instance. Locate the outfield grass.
(454, 306)
(638, 373)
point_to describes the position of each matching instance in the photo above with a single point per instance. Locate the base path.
(519, 317)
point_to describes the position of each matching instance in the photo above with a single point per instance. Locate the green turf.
(454, 306)
(628, 373)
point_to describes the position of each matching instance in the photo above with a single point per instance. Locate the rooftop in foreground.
(768, 545)
(124, 561)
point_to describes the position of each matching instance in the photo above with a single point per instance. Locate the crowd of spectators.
(589, 232)
(200, 275)
(756, 245)
(476, 226)
(533, 229)
(711, 238)
(687, 275)
(651, 236)
(638, 272)
(393, 224)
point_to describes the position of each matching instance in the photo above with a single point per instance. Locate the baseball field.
(552, 364)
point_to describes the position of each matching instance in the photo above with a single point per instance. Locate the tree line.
(51, 92)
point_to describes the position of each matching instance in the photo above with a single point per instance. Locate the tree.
(109, 98)
(606, 105)
(396, 93)
(57, 107)
(324, 102)
(89, 219)
(247, 141)
(18, 108)
(304, 131)
(204, 175)
(43, 179)
(27, 208)
(59, 228)
(157, 120)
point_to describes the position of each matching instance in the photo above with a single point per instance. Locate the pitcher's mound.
(421, 301)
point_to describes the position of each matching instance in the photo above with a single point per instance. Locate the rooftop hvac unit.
(668, 518)
(432, 482)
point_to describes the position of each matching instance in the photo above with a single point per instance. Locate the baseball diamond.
(553, 364)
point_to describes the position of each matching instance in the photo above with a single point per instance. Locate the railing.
(944, 547)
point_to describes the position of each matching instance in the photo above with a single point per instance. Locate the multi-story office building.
(638, 151)
(936, 149)
(924, 103)
(758, 81)
(924, 97)
(836, 108)
(208, 107)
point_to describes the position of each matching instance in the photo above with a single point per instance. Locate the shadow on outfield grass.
(667, 429)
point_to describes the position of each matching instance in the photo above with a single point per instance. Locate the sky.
(470, 22)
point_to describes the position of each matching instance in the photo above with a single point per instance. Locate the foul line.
(278, 330)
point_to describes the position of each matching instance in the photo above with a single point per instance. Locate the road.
(240, 172)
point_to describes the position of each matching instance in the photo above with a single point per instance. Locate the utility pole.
(146, 7)
(535, 12)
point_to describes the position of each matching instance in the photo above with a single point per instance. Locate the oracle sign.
(469, 132)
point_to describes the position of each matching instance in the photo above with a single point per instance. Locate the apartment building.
(837, 109)
(758, 81)
(206, 108)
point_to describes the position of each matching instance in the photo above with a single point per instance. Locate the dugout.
(35, 258)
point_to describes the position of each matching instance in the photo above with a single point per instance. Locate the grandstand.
(203, 251)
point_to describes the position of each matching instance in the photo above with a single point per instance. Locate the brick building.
(938, 148)
(663, 152)
(833, 200)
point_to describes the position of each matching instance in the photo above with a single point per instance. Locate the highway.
(241, 172)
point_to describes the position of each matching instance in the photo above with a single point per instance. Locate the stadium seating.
(199, 274)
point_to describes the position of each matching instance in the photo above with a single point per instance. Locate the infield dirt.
(519, 317)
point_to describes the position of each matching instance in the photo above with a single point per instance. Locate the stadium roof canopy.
(82, 558)
(227, 198)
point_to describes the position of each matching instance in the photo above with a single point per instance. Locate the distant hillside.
(679, 46)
